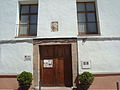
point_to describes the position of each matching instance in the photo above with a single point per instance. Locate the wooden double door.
(55, 65)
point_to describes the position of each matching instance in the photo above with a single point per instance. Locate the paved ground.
(59, 88)
(64, 88)
(55, 88)
(47, 88)
(71, 89)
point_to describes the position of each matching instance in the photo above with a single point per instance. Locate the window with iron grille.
(28, 20)
(86, 14)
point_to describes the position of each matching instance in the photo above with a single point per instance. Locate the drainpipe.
(117, 84)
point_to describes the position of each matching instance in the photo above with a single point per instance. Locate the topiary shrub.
(84, 80)
(25, 80)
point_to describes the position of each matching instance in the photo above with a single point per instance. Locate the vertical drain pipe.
(117, 84)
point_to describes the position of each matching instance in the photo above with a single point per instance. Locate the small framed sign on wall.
(27, 58)
(86, 64)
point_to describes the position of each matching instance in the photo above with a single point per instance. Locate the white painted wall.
(12, 58)
(108, 17)
(104, 56)
(109, 14)
(63, 11)
(8, 19)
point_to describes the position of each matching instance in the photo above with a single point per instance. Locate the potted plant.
(84, 80)
(25, 80)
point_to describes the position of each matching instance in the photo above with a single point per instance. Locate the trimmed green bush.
(86, 78)
(25, 78)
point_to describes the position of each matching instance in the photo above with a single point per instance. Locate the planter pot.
(83, 87)
(24, 87)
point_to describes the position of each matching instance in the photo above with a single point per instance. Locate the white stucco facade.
(103, 54)
(12, 59)
(62, 11)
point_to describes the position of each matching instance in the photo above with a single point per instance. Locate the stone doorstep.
(64, 88)
(56, 88)
(7, 89)
(13, 89)
(102, 89)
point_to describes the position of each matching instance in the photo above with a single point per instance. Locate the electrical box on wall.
(86, 64)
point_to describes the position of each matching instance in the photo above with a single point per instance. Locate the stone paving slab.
(13, 89)
(59, 88)
(65, 88)
(55, 88)
(7, 89)
(102, 89)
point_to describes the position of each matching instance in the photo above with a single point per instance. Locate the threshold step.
(56, 88)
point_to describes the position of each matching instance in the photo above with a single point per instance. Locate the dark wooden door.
(55, 65)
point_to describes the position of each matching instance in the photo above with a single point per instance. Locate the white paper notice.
(48, 63)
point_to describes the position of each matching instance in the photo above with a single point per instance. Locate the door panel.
(47, 75)
(59, 63)
(68, 66)
(60, 73)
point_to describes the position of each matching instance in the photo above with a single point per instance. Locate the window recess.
(86, 14)
(28, 20)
